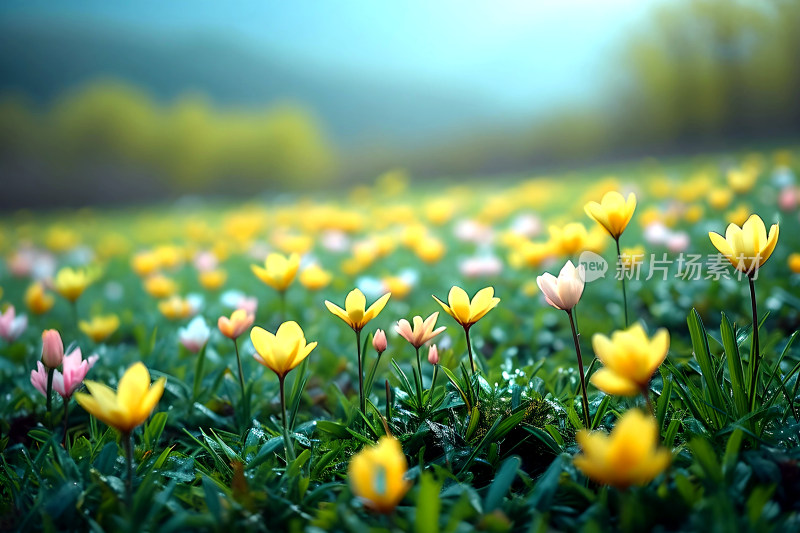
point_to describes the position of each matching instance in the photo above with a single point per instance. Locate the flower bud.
(52, 348)
(379, 341)
(433, 355)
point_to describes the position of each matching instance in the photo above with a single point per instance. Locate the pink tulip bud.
(433, 355)
(379, 341)
(52, 348)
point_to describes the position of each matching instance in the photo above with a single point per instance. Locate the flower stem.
(624, 294)
(127, 444)
(419, 380)
(287, 443)
(48, 415)
(648, 401)
(66, 423)
(239, 362)
(756, 348)
(575, 338)
(362, 404)
(469, 350)
(433, 382)
(198, 372)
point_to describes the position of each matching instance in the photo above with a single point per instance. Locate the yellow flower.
(613, 212)
(693, 213)
(355, 313)
(71, 283)
(467, 312)
(99, 328)
(720, 198)
(629, 456)
(144, 263)
(794, 263)
(284, 350)
(743, 180)
(430, 249)
(397, 285)
(212, 280)
(159, 286)
(175, 308)
(629, 359)
(238, 322)
(737, 216)
(314, 277)
(37, 300)
(130, 406)
(632, 256)
(570, 239)
(279, 272)
(377, 475)
(747, 247)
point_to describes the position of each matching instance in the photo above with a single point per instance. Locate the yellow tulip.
(377, 475)
(315, 277)
(284, 350)
(71, 283)
(629, 359)
(99, 328)
(279, 271)
(467, 312)
(355, 313)
(38, 300)
(747, 247)
(613, 212)
(630, 455)
(130, 405)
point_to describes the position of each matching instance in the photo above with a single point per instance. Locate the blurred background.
(111, 102)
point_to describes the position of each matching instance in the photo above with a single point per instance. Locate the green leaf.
(154, 429)
(734, 367)
(703, 356)
(503, 479)
(428, 504)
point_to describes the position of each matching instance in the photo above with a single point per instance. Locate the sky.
(522, 55)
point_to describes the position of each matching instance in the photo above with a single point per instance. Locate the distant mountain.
(43, 61)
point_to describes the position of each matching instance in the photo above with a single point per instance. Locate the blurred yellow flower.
(284, 350)
(630, 455)
(159, 286)
(720, 198)
(569, 240)
(355, 313)
(279, 272)
(60, 239)
(211, 280)
(531, 254)
(632, 256)
(629, 359)
(99, 328)
(175, 308)
(397, 286)
(467, 312)
(613, 212)
(794, 263)
(169, 256)
(738, 216)
(37, 299)
(314, 277)
(694, 213)
(741, 181)
(144, 263)
(71, 283)
(377, 475)
(747, 247)
(130, 405)
(430, 249)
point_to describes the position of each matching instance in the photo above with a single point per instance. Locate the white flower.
(195, 335)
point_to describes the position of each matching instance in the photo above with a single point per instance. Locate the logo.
(595, 267)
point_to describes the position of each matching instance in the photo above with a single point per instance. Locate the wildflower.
(613, 212)
(212, 280)
(355, 313)
(37, 299)
(563, 292)
(747, 247)
(433, 355)
(467, 312)
(315, 277)
(176, 308)
(379, 341)
(377, 475)
(195, 335)
(52, 348)
(71, 283)
(794, 263)
(720, 198)
(279, 272)
(67, 382)
(159, 286)
(12, 325)
(144, 263)
(282, 351)
(629, 360)
(422, 331)
(237, 324)
(630, 455)
(99, 328)
(130, 405)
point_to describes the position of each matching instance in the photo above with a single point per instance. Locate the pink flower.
(379, 341)
(788, 199)
(52, 348)
(433, 355)
(66, 383)
(422, 331)
(12, 326)
(563, 292)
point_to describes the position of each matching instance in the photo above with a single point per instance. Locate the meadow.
(246, 365)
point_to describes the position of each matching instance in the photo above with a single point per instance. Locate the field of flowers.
(534, 354)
